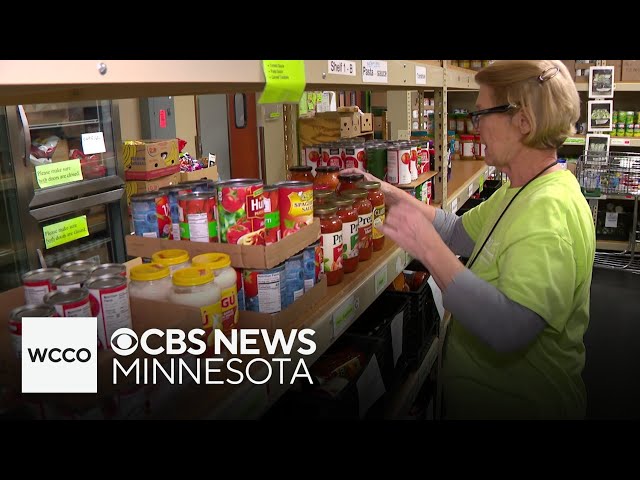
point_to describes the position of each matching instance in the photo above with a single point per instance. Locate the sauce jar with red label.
(349, 181)
(365, 221)
(376, 197)
(331, 243)
(350, 233)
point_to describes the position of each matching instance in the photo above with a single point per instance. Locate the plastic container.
(331, 241)
(348, 214)
(174, 258)
(151, 281)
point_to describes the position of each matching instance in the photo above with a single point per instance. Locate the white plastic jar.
(226, 278)
(195, 287)
(151, 281)
(173, 258)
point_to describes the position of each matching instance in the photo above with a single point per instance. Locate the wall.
(185, 115)
(129, 119)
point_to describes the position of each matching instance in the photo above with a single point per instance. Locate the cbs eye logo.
(124, 341)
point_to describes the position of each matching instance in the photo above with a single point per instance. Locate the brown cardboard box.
(141, 186)
(617, 69)
(61, 153)
(630, 71)
(210, 173)
(366, 122)
(149, 159)
(242, 256)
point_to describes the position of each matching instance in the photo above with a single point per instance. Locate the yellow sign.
(285, 81)
(58, 173)
(65, 232)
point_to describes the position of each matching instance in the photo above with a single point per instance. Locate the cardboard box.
(61, 153)
(242, 256)
(617, 69)
(139, 186)
(149, 159)
(366, 122)
(210, 173)
(630, 71)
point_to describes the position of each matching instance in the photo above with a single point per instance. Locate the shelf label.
(616, 142)
(65, 231)
(437, 296)
(396, 336)
(374, 71)
(421, 75)
(285, 81)
(93, 143)
(342, 67)
(611, 220)
(370, 386)
(343, 317)
(58, 173)
(481, 183)
(381, 279)
(471, 190)
(454, 205)
(574, 141)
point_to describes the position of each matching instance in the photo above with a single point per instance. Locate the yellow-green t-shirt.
(540, 256)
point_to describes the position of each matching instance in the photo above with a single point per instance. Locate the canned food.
(376, 160)
(312, 157)
(79, 266)
(109, 269)
(271, 214)
(37, 283)
(333, 157)
(310, 266)
(241, 212)
(296, 206)
(68, 280)
(151, 215)
(172, 192)
(355, 157)
(15, 322)
(264, 290)
(195, 186)
(109, 297)
(294, 278)
(197, 216)
(72, 303)
(399, 165)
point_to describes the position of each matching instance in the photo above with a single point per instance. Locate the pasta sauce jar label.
(365, 225)
(331, 251)
(350, 236)
(378, 219)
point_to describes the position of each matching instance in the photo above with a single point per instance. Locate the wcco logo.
(59, 355)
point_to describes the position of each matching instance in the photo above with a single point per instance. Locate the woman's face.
(500, 132)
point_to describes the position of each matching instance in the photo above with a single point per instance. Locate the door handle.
(58, 209)
(26, 132)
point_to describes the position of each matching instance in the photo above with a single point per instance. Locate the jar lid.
(149, 271)
(321, 210)
(192, 276)
(327, 168)
(341, 202)
(173, 256)
(350, 177)
(369, 185)
(213, 261)
(356, 193)
(300, 168)
(324, 193)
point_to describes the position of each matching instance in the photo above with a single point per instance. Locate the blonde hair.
(552, 106)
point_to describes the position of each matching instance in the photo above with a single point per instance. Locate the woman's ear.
(522, 122)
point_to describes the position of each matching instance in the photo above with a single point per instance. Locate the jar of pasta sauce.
(376, 197)
(321, 197)
(350, 233)
(300, 173)
(348, 181)
(365, 221)
(326, 176)
(331, 243)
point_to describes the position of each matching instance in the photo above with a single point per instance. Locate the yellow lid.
(173, 256)
(149, 271)
(192, 276)
(214, 261)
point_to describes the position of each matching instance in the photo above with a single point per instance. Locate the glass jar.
(376, 197)
(300, 173)
(365, 221)
(348, 214)
(320, 197)
(466, 147)
(452, 121)
(195, 287)
(226, 279)
(461, 123)
(331, 243)
(327, 176)
(464, 63)
(174, 258)
(151, 281)
(476, 65)
(478, 147)
(348, 181)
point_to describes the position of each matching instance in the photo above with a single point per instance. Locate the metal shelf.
(613, 245)
(461, 78)
(615, 141)
(465, 180)
(617, 87)
(42, 126)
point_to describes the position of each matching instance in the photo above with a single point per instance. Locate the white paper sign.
(342, 67)
(421, 75)
(437, 296)
(370, 386)
(471, 190)
(396, 336)
(611, 220)
(93, 143)
(374, 71)
(454, 205)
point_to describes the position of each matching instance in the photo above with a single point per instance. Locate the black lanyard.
(470, 264)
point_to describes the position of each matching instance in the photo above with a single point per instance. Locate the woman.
(521, 306)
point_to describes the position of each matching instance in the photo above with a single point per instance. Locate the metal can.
(309, 267)
(172, 192)
(241, 212)
(109, 269)
(194, 186)
(295, 201)
(72, 303)
(271, 214)
(333, 157)
(264, 290)
(413, 160)
(294, 278)
(15, 322)
(376, 159)
(198, 218)
(151, 215)
(109, 297)
(37, 283)
(355, 157)
(312, 157)
(84, 266)
(68, 280)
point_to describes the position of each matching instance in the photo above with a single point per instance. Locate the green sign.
(481, 182)
(575, 141)
(65, 231)
(58, 173)
(285, 81)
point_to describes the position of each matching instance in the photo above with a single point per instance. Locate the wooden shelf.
(421, 179)
(465, 180)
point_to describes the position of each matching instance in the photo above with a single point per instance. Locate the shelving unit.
(421, 179)
(465, 180)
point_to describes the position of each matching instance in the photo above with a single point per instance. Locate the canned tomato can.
(72, 303)
(393, 159)
(68, 280)
(241, 212)
(172, 192)
(264, 290)
(194, 186)
(413, 165)
(334, 155)
(84, 266)
(312, 157)
(294, 278)
(151, 215)
(37, 283)
(109, 269)
(197, 216)
(109, 297)
(405, 171)
(15, 322)
(271, 214)
(296, 206)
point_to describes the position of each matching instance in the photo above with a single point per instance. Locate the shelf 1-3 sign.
(342, 67)
(374, 71)
(421, 75)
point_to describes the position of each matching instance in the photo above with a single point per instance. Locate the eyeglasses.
(475, 116)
